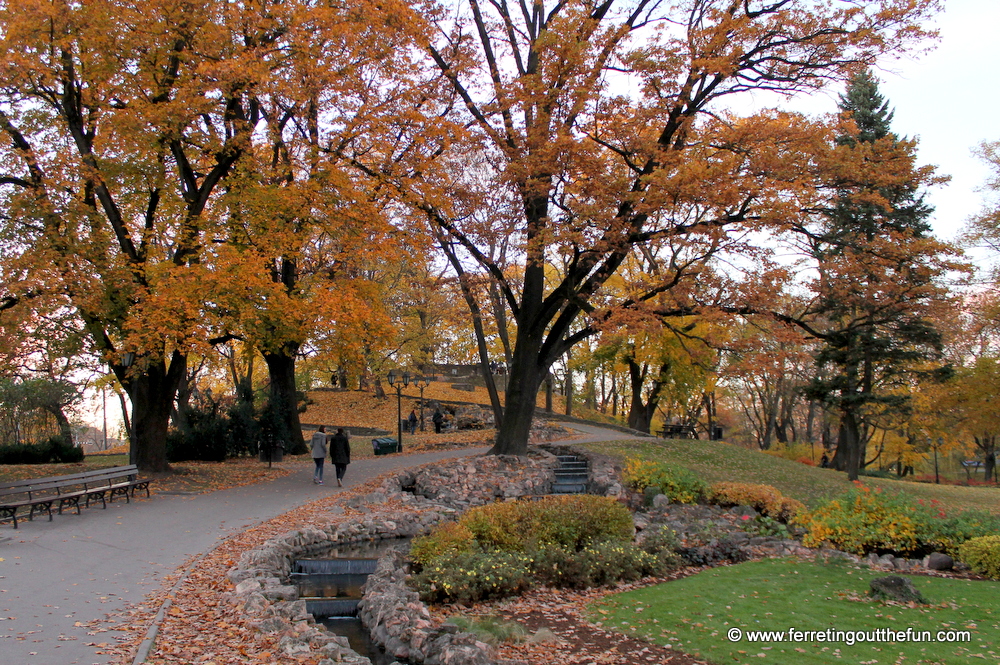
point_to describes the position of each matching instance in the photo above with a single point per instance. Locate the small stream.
(331, 580)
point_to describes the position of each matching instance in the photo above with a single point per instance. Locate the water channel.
(330, 580)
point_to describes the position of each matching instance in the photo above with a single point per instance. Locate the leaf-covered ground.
(202, 628)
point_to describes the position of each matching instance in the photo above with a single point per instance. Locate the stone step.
(571, 476)
(331, 607)
(582, 464)
(569, 488)
(569, 458)
(335, 585)
(349, 566)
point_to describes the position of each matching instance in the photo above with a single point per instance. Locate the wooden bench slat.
(104, 484)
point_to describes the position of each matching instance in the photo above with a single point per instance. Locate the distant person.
(824, 462)
(438, 420)
(319, 453)
(412, 421)
(340, 454)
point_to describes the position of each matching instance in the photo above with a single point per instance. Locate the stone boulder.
(939, 561)
(894, 587)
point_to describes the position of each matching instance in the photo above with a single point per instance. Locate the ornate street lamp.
(398, 381)
(421, 382)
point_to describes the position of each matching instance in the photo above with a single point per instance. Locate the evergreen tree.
(877, 266)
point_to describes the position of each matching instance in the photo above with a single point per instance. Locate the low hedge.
(55, 450)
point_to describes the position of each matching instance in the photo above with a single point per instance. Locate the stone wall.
(424, 497)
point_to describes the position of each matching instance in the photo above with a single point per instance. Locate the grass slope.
(695, 615)
(716, 461)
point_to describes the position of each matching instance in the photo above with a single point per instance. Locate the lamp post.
(940, 442)
(398, 381)
(421, 382)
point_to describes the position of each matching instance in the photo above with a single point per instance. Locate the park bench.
(678, 432)
(41, 494)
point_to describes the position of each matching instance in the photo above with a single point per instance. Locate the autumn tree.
(610, 125)
(878, 282)
(126, 125)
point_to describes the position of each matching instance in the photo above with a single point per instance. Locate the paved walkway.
(75, 569)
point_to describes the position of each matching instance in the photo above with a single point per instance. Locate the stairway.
(332, 587)
(572, 475)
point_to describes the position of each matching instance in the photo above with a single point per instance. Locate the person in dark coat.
(412, 421)
(319, 453)
(438, 420)
(340, 454)
(824, 462)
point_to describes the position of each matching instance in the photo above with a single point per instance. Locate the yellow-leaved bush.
(982, 555)
(571, 522)
(765, 499)
(862, 520)
(678, 484)
(449, 538)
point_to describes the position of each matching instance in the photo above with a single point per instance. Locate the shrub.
(62, 451)
(467, 577)
(450, 538)
(764, 498)
(678, 484)
(863, 520)
(982, 555)
(937, 529)
(866, 520)
(473, 576)
(54, 450)
(570, 522)
(202, 438)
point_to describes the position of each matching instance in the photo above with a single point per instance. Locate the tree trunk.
(152, 395)
(283, 398)
(849, 452)
(569, 390)
(522, 387)
(65, 429)
(640, 415)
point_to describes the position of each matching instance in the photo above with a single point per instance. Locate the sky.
(948, 99)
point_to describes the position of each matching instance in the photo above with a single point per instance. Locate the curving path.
(76, 569)
(57, 576)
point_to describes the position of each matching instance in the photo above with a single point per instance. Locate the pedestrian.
(824, 461)
(319, 453)
(412, 420)
(438, 419)
(340, 454)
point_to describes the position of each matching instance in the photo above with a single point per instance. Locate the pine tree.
(876, 285)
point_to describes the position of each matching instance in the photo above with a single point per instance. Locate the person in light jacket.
(340, 454)
(319, 453)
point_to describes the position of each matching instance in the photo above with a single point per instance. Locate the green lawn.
(716, 461)
(696, 614)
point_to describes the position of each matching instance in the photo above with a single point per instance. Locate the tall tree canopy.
(877, 286)
(610, 125)
(123, 124)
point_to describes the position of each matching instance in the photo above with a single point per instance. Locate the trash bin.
(277, 453)
(386, 445)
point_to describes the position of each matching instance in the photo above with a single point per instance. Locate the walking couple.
(340, 453)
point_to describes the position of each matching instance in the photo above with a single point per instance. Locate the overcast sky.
(948, 99)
